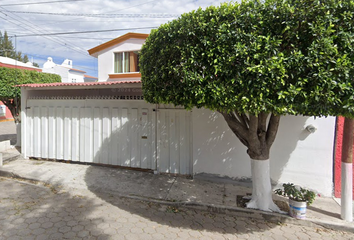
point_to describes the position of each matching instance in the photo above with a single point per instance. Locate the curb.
(272, 217)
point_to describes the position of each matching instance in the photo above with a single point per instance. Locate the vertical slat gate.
(51, 132)
(173, 154)
(44, 132)
(75, 134)
(114, 137)
(93, 131)
(67, 134)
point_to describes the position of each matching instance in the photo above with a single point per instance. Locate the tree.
(10, 95)
(253, 62)
(18, 56)
(7, 48)
(25, 58)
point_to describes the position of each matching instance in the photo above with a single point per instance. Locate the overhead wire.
(105, 15)
(34, 29)
(81, 32)
(34, 3)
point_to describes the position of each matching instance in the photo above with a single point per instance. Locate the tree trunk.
(261, 187)
(347, 171)
(14, 105)
(257, 133)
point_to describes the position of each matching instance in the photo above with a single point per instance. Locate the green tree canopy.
(7, 49)
(254, 61)
(10, 94)
(283, 57)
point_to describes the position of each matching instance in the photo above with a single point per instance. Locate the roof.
(12, 63)
(88, 76)
(117, 41)
(81, 84)
(76, 70)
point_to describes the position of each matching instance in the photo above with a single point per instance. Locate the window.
(125, 62)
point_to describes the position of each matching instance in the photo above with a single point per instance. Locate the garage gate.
(129, 133)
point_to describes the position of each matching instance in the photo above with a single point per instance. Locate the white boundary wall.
(297, 155)
(172, 140)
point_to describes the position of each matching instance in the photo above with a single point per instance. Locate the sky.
(59, 28)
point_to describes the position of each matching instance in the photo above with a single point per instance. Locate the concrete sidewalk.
(165, 189)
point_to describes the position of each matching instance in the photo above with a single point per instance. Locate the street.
(37, 211)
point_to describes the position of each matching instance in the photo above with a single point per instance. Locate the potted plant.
(299, 199)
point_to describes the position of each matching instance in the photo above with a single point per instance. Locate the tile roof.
(117, 41)
(76, 70)
(19, 67)
(61, 84)
(88, 76)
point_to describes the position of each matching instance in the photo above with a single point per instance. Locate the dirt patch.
(242, 201)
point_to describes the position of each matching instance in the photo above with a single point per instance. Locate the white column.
(347, 192)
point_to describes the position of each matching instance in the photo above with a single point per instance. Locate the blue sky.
(27, 22)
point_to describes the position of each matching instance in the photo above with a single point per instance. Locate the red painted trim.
(19, 67)
(8, 114)
(338, 158)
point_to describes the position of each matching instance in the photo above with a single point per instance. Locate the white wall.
(106, 57)
(296, 156)
(79, 76)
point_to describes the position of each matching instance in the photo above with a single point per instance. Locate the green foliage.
(7, 49)
(296, 193)
(279, 56)
(10, 94)
(10, 77)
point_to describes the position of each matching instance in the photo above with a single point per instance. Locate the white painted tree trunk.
(261, 187)
(18, 134)
(347, 194)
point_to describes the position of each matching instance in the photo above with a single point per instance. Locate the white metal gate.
(106, 131)
(174, 148)
(95, 130)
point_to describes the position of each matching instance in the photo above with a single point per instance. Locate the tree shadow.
(34, 211)
(295, 153)
(149, 196)
(217, 143)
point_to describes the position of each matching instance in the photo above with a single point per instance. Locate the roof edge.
(117, 41)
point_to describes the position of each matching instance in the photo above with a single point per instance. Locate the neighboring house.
(108, 122)
(5, 113)
(118, 59)
(66, 71)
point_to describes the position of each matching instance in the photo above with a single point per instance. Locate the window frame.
(125, 61)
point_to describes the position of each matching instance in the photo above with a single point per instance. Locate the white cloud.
(75, 46)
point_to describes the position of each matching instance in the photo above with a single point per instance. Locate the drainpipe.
(347, 171)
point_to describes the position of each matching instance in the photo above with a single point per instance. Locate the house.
(66, 71)
(5, 113)
(108, 122)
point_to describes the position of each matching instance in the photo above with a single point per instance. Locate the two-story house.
(108, 122)
(118, 59)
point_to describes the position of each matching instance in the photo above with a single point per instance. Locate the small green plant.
(296, 193)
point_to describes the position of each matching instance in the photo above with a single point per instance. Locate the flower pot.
(297, 209)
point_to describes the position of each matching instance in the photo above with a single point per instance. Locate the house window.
(125, 62)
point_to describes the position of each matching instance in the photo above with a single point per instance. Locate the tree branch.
(262, 126)
(242, 119)
(272, 129)
(237, 127)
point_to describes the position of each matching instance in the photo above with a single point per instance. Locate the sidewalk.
(109, 182)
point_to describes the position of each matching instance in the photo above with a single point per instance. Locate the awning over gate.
(85, 85)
